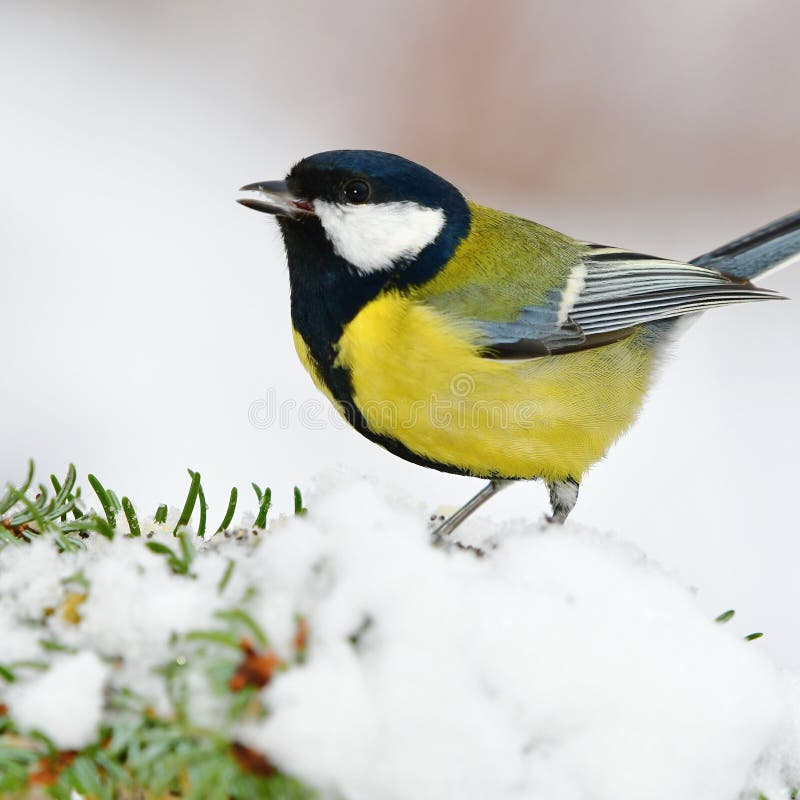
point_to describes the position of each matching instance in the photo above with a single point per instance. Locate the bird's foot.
(439, 538)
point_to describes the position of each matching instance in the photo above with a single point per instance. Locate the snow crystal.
(64, 703)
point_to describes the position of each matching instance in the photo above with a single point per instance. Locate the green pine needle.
(264, 503)
(10, 499)
(51, 645)
(298, 502)
(179, 564)
(105, 501)
(130, 515)
(189, 504)
(162, 549)
(187, 549)
(230, 510)
(226, 576)
(201, 525)
(240, 617)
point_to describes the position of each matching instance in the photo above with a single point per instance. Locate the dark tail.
(751, 256)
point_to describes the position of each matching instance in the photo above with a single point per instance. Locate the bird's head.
(366, 213)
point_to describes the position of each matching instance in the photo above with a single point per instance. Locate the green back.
(504, 264)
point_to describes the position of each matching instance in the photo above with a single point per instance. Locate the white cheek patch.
(375, 236)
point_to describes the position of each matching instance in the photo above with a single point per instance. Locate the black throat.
(327, 293)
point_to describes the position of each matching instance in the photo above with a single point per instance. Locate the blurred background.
(145, 317)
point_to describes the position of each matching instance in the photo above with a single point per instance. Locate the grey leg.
(441, 533)
(563, 496)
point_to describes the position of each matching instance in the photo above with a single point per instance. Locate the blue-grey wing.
(606, 296)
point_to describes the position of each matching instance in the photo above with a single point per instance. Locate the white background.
(144, 312)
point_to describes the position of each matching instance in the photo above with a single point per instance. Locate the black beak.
(276, 199)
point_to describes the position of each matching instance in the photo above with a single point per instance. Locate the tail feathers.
(765, 250)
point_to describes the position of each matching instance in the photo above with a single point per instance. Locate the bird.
(476, 342)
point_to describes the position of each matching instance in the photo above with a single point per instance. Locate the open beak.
(275, 198)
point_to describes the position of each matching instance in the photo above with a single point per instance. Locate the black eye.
(356, 191)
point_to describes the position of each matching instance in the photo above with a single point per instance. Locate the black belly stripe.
(339, 382)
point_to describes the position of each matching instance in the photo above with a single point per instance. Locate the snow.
(134, 609)
(65, 702)
(779, 767)
(17, 643)
(563, 664)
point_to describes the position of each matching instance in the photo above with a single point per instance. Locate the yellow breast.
(418, 376)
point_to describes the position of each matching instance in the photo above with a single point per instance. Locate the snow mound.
(562, 664)
(66, 701)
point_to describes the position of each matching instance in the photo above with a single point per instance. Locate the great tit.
(476, 342)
